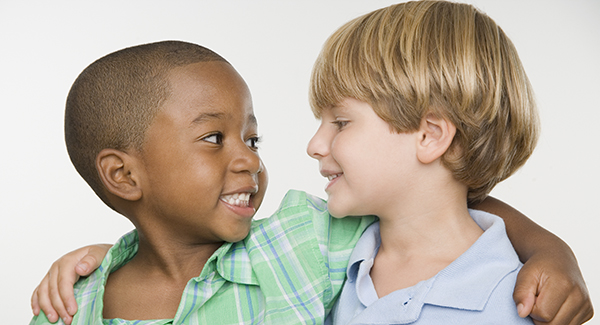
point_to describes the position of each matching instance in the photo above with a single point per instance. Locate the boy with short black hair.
(424, 106)
(165, 134)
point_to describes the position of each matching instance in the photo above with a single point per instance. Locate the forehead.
(347, 105)
(207, 90)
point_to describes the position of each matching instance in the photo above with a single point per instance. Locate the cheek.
(193, 183)
(263, 181)
(354, 152)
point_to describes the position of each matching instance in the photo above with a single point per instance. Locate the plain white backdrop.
(47, 210)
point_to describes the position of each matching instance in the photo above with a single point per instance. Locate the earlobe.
(117, 171)
(435, 137)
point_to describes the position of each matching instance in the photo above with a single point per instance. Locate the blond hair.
(439, 57)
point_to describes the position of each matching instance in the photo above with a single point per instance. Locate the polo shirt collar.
(361, 261)
(459, 285)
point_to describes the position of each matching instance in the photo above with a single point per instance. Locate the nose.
(317, 146)
(246, 160)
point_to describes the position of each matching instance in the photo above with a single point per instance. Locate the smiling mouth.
(331, 180)
(237, 199)
(332, 177)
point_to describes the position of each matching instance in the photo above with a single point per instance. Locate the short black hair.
(115, 99)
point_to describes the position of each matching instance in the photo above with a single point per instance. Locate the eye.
(216, 138)
(340, 124)
(253, 142)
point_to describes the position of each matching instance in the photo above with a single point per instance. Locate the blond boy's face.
(203, 179)
(363, 159)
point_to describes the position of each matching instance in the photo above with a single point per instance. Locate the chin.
(335, 212)
(238, 235)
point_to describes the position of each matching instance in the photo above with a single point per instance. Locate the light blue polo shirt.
(476, 288)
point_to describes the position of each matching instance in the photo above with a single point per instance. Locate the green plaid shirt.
(289, 270)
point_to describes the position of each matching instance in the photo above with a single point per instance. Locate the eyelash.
(219, 138)
(254, 141)
(340, 124)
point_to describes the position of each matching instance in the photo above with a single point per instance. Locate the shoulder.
(302, 243)
(485, 274)
(89, 290)
(486, 299)
(501, 305)
(296, 201)
(497, 259)
(302, 212)
(120, 254)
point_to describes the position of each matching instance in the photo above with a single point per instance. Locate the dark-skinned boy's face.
(203, 178)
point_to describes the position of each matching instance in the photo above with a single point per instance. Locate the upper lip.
(330, 177)
(329, 174)
(253, 189)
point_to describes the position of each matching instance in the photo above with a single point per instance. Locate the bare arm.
(550, 287)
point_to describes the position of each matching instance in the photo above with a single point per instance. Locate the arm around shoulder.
(550, 286)
(54, 295)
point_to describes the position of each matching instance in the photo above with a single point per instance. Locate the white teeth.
(237, 199)
(331, 177)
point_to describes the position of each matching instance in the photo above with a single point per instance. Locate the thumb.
(92, 259)
(525, 293)
(86, 265)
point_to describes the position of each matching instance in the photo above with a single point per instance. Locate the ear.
(434, 138)
(117, 171)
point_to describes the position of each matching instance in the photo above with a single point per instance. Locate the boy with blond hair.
(424, 108)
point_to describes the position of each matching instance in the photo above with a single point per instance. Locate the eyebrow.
(252, 119)
(339, 107)
(215, 116)
(207, 116)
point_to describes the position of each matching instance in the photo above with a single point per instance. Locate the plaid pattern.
(289, 270)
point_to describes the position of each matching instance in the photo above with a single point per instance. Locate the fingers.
(54, 295)
(525, 305)
(35, 306)
(42, 297)
(524, 296)
(65, 282)
(549, 302)
(562, 302)
(526, 290)
(54, 292)
(91, 260)
(586, 314)
(576, 309)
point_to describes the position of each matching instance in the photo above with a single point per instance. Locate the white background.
(46, 209)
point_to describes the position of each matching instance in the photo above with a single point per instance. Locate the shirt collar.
(230, 260)
(366, 249)
(459, 285)
(233, 263)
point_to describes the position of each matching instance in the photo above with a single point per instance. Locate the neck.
(171, 258)
(433, 223)
(421, 236)
(431, 230)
